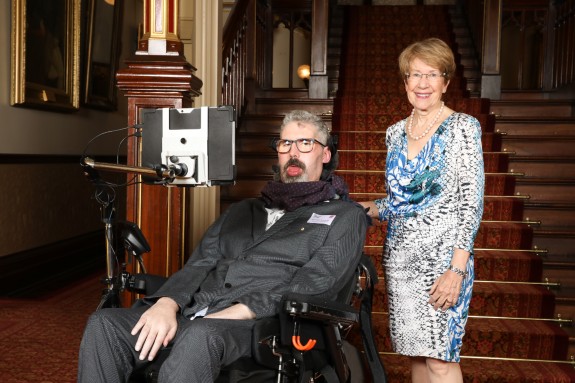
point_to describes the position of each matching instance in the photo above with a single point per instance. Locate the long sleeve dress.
(434, 204)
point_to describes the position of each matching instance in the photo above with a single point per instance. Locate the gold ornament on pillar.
(160, 29)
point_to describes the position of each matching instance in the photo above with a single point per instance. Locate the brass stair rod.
(556, 320)
(383, 194)
(513, 250)
(536, 251)
(362, 150)
(383, 172)
(517, 174)
(508, 196)
(502, 221)
(547, 284)
(572, 361)
(359, 171)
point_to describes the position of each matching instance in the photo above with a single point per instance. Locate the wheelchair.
(306, 342)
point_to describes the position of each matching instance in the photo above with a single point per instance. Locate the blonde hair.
(433, 52)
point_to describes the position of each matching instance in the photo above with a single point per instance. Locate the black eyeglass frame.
(276, 142)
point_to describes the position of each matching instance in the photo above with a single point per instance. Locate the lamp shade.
(303, 71)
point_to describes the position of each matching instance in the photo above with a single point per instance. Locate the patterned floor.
(39, 338)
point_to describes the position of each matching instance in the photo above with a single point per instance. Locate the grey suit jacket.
(238, 261)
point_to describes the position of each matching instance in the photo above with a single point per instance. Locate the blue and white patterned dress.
(434, 204)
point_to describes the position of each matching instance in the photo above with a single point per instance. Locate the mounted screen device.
(178, 147)
(197, 145)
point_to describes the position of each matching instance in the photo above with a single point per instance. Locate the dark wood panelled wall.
(543, 55)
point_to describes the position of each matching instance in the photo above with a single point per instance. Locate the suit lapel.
(260, 221)
(260, 218)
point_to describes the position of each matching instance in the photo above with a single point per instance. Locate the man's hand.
(237, 311)
(157, 327)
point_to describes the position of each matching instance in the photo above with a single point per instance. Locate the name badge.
(321, 219)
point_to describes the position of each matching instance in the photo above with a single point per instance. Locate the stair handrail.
(485, 19)
(247, 47)
(243, 54)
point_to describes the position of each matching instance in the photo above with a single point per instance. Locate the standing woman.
(434, 203)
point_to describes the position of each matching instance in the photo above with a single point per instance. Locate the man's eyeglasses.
(304, 145)
(431, 77)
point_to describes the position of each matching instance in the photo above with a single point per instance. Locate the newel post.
(490, 68)
(318, 81)
(157, 76)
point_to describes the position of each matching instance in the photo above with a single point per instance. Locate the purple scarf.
(291, 196)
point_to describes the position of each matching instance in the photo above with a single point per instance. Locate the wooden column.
(204, 202)
(490, 71)
(548, 61)
(157, 76)
(318, 81)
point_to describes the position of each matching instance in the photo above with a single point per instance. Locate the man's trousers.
(199, 349)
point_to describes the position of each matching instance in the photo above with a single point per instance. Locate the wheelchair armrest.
(145, 283)
(317, 318)
(319, 309)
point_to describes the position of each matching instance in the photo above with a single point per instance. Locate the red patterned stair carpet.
(40, 337)
(371, 97)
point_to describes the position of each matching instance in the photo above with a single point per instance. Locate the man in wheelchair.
(302, 236)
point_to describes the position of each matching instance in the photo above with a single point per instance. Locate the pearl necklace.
(417, 138)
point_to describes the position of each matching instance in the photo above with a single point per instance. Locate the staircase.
(539, 134)
(254, 156)
(513, 334)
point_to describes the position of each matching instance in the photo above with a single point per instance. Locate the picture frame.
(45, 54)
(101, 52)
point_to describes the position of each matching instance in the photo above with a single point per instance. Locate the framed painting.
(101, 45)
(45, 54)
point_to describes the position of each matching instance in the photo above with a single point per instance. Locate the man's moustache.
(294, 162)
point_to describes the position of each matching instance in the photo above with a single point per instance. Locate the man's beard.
(285, 178)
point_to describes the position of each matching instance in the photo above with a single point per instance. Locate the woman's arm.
(370, 208)
(471, 184)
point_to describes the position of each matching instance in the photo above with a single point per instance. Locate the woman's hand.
(157, 327)
(445, 291)
(370, 208)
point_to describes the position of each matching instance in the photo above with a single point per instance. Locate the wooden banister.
(564, 32)
(244, 54)
(554, 69)
(247, 51)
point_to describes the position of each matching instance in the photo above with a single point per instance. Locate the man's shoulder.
(247, 202)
